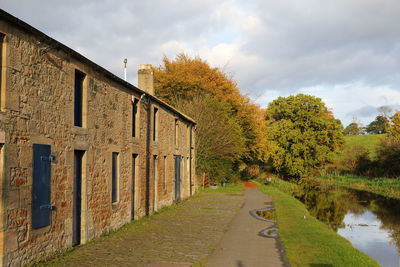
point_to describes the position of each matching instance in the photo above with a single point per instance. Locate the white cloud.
(347, 52)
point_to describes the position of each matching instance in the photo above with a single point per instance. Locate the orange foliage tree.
(185, 77)
(394, 128)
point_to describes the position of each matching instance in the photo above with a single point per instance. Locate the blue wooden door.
(41, 206)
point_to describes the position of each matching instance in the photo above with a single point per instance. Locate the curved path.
(242, 246)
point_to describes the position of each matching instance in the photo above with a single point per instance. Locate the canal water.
(370, 222)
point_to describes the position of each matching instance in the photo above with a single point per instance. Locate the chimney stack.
(145, 78)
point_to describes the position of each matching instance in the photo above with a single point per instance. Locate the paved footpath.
(213, 226)
(186, 234)
(241, 245)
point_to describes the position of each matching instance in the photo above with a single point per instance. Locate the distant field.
(370, 142)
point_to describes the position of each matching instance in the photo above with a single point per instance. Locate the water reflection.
(369, 221)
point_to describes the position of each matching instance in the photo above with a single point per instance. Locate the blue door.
(177, 177)
(41, 207)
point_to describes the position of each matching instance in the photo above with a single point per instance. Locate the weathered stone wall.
(38, 109)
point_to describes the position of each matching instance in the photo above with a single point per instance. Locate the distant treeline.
(384, 161)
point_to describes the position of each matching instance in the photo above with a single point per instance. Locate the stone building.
(82, 151)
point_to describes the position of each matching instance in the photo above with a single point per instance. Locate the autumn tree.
(219, 140)
(303, 133)
(185, 78)
(394, 127)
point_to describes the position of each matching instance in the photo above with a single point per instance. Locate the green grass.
(370, 142)
(309, 242)
(389, 187)
(284, 186)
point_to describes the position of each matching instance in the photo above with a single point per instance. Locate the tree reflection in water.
(330, 204)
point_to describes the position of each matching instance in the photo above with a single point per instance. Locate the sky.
(346, 52)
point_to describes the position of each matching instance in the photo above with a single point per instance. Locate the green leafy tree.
(379, 126)
(352, 129)
(303, 134)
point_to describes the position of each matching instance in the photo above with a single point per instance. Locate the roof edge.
(54, 43)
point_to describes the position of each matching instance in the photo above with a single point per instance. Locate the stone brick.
(12, 199)
(16, 218)
(18, 176)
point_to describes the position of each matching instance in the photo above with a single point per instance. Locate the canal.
(370, 222)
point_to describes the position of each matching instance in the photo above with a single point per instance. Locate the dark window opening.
(114, 182)
(134, 115)
(155, 124)
(78, 98)
(176, 132)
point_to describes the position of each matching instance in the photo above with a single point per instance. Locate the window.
(2, 71)
(165, 175)
(176, 132)
(115, 177)
(155, 124)
(79, 99)
(134, 118)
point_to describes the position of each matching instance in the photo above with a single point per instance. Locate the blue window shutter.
(41, 207)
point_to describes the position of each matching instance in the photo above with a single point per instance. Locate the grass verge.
(388, 187)
(228, 188)
(309, 242)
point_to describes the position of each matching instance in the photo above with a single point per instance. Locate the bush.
(389, 156)
(354, 159)
(250, 172)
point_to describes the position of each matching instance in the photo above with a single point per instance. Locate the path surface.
(241, 245)
(188, 233)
